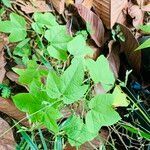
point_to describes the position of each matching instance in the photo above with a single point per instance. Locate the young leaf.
(58, 37)
(120, 98)
(101, 72)
(16, 27)
(102, 113)
(55, 53)
(78, 47)
(68, 86)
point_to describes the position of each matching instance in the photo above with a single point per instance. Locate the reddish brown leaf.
(35, 6)
(130, 44)
(110, 11)
(113, 57)
(7, 141)
(95, 23)
(7, 107)
(136, 14)
(2, 62)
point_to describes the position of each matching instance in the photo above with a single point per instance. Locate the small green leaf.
(55, 53)
(78, 47)
(144, 45)
(145, 28)
(100, 72)
(6, 3)
(58, 37)
(120, 98)
(16, 27)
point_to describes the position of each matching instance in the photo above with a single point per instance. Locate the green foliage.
(5, 91)
(51, 90)
(16, 27)
(7, 3)
(68, 86)
(145, 28)
(101, 74)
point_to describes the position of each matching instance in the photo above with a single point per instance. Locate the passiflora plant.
(50, 90)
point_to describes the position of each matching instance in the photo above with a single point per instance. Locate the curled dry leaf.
(94, 22)
(7, 141)
(129, 46)
(34, 6)
(7, 107)
(59, 5)
(2, 62)
(113, 57)
(137, 15)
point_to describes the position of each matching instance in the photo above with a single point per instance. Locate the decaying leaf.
(110, 11)
(7, 107)
(59, 5)
(2, 62)
(7, 141)
(34, 6)
(94, 22)
(136, 14)
(129, 46)
(113, 57)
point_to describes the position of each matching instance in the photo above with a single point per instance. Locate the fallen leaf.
(35, 6)
(2, 62)
(113, 58)
(88, 3)
(7, 107)
(146, 8)
(110, 11)
(94, 22)
(129, 46)
(12, 76)
(7, 141)
(137, 15)
(59, 5)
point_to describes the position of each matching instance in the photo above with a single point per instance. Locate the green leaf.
(6, 3)
(102, 113)
(58, 37)
(145, 28)
(23, 48)
(16, 27)
(120, 98)
(100, 72)
(144, 45)
(33, 71)
(68, 87)
(46, 19)
(77, 132)
(55, 53)
(78, 47)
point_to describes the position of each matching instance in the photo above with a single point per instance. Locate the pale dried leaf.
(129, 46)
(137, 15)
(146, 8)
(7, 141)
(2, 62)
(113, 57)
(7, 107)
(88, 3)
(94, 22)
(35, 6)
(12, 76)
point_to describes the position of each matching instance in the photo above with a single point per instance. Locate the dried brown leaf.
(113, 57)
(35, 6)
(2, 62)
(7, 107)
(130, 44)
(7, 141)
(88, 3)
(94, 22)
